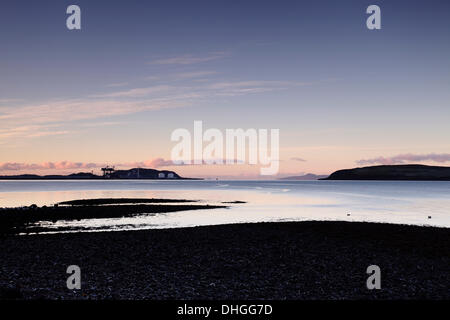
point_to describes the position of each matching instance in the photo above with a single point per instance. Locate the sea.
(425, 203)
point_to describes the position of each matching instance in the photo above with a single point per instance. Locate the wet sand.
(290, 260)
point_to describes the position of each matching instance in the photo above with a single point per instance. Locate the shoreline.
(277, 260)
(25, 219)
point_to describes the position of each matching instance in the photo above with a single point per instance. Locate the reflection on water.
(381, 201)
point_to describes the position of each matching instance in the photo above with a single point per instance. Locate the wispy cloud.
(197, 75)
(190, 59)
(134, 93)
(236, 88)
(406, 158)
(62, 165)
(36, 119)
(118, 84)
(50, 119)
(153, 78)
(30, 131)
(102, 124)
(298, 159)
(193, 74)
(2, 101)
(70, 110)
(47, 133)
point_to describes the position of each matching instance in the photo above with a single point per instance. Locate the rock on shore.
(303, 260)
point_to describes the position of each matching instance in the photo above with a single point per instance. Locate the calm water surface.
(408, 202)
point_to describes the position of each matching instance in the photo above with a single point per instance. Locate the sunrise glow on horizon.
(342, 96)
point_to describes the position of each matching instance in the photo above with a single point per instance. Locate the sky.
(113, 92)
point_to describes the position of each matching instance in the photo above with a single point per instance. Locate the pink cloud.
(405, 158)
(62, 165)
(159, 162)
(153, 163)
(66, 165)
(69, 165)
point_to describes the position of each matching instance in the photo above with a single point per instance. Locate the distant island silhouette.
(382, 172)
(110, 173)
(393, 172)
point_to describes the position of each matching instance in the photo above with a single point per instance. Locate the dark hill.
(73, 176)
(393, 172)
